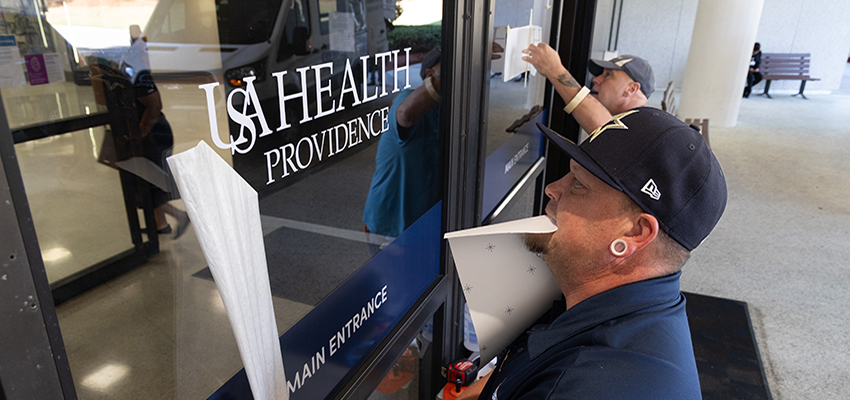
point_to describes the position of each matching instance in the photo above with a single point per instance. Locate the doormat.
(304, 266)
(727, 356)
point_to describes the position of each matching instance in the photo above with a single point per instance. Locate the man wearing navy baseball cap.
(643, 191)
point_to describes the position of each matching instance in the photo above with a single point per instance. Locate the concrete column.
(721, 47)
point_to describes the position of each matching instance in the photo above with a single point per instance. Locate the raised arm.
(590, 114)
(418, 104)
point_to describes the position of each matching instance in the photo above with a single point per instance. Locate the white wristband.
(431, 91)
(576, 100)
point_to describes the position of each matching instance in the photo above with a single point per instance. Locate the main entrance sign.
(321, 351)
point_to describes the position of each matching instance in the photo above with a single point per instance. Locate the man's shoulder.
(598, 351)
(601, 372)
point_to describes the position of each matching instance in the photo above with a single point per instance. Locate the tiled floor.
(156, 332)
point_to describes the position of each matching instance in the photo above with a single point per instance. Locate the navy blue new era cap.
(659, 162)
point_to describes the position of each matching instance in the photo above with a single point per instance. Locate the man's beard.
(537, 242)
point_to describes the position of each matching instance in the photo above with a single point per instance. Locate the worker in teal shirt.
(406, 180)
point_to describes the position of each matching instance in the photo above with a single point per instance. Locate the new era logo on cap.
(649, 151)
(651, 189)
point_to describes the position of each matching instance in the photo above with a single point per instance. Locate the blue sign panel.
(7, 41)
(323, 348)
(508, 163)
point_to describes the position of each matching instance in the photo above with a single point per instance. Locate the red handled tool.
(460, 374)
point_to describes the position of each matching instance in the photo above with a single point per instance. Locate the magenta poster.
(36, 70)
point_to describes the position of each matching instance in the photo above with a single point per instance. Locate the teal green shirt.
(406, 180)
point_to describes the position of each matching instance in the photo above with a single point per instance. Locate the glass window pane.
(321, 106)
(77, 205)
(515, 105)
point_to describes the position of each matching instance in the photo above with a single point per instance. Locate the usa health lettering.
(292, 157)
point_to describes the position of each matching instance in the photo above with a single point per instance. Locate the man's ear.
(632, 88)
(643, 232)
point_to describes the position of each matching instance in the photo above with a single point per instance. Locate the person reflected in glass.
(405, 184)
(157, 137)
(753, 74)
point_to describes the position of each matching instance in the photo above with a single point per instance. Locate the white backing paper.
(518, 40)
(226, 216)
(506, 286)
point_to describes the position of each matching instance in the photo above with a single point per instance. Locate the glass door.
(329, 109)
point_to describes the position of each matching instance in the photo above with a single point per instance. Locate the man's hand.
(472, 392)
(546, 60)
(496, 48)
(590, 114)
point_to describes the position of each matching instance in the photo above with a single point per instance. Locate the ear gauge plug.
(619, 247)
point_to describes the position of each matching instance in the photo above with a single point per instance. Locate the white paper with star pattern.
(506, 286)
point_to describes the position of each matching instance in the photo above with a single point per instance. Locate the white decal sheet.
(506, 286)
(225, 213)
(518, 40)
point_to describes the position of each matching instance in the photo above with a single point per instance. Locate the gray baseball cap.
(431, 59)
(637, 68)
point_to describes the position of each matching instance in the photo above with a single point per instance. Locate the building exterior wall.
(818, 27)
(660, 31)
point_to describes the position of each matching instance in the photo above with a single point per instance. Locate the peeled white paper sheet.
(518, 40)
(226, 217)
(506, 286)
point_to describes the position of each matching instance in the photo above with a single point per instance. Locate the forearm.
(590, 114)
(415, 107)
(153, 107)
(147, 121)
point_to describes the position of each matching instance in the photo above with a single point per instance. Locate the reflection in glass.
(76, 203)
(513, 98)
(103, 378)
(164, 320)
(406, 181)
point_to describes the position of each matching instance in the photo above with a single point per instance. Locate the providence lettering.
(290, 158)
(324, 90)
(337, 340)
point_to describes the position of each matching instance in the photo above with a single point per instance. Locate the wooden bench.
(786, 67)
(668, 103)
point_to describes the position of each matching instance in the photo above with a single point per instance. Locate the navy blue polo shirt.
(631, 342)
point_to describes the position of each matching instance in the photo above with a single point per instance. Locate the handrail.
(41, 131)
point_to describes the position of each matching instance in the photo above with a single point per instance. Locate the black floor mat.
(727, 356)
